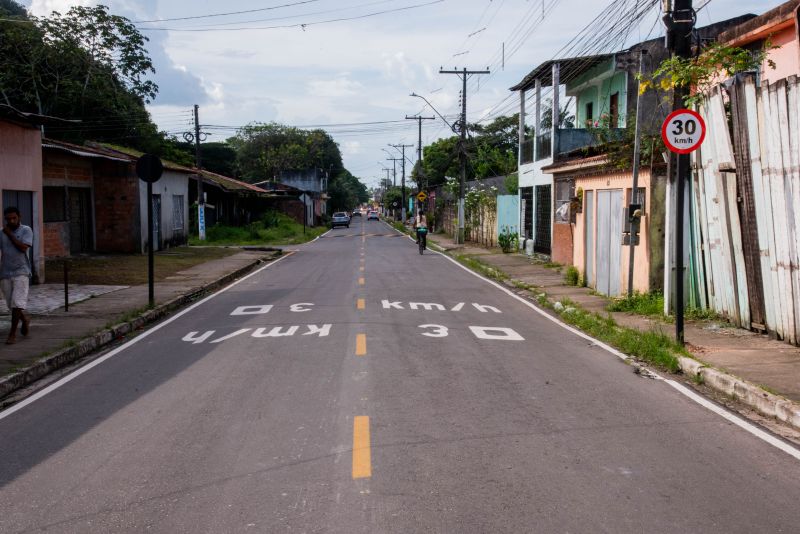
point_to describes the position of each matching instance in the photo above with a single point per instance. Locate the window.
(589, 112)
(614, 111)
(177, 212)
(54, 201)
(565, 190)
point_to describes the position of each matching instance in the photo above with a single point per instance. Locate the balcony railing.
(543, 146)
(572, 139)
(526, 153)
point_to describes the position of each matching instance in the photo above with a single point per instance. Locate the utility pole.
(196, 137)
(635, 202)
(679, 18)
(464, 74)
(419, 120)
(402, 149)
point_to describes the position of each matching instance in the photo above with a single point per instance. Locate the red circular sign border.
(672, 115)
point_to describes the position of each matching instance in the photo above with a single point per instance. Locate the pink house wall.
(786, 58)
(21, 170)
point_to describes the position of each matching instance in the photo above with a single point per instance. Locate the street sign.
(421, 196)
(683, 131)
(394, 204)
(149, 168)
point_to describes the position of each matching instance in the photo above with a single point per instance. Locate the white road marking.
(738, 421)
(299, 307)
(231, 335)
(485, 309)
(195, 339)
(425, 306)
(438, 330)
(492, 332)
(252, 310)
(276, 331)
(78, 372)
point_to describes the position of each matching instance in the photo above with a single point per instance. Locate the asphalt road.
(356, 386)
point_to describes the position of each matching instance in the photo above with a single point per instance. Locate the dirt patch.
(131, 269)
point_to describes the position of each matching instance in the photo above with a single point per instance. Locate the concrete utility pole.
(637, 144)
(464, 74)
(419, 120)
(196, 137)
(679, 18)
(402, 149)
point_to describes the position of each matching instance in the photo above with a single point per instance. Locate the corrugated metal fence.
(746, 206)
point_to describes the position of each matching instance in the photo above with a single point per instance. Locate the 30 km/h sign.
(421, 196)
(683, 131)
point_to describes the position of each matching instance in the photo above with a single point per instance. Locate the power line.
(302, 25)
(227, 13)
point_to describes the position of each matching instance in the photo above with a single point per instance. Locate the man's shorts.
(15, 291)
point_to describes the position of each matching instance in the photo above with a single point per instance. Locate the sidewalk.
(100, 307)
(771, 365)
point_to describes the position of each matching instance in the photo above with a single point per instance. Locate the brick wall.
(292, 208)
(63, 169)
(56, 239)
(116, 196)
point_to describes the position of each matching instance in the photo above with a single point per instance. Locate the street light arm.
(435, 111)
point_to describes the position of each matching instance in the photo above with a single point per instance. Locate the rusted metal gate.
(544, 219)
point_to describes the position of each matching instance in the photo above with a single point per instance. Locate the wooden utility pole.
(679, 18)
(464, 74)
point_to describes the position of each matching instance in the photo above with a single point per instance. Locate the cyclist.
(421, 227)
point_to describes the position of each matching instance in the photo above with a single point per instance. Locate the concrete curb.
(768, 404)
(64, 357)
(764, 402)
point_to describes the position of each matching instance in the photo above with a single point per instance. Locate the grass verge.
(273, 229)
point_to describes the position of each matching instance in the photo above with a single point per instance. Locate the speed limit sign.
(683, 131)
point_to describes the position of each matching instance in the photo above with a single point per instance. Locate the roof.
(122, 151)
(572, 67)
(575, 164)
(230, 184)
(762, 25)
(83, 151)
(12, 114)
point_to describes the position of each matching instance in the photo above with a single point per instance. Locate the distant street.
(356, 386)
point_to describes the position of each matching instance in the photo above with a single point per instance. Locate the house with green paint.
(573, 193)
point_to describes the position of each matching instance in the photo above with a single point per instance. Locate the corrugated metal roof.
(82, 151)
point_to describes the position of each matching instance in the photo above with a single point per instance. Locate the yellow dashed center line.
(362, 461)
(361, 345)
(361, 281)
(360, 304)
(361, 268)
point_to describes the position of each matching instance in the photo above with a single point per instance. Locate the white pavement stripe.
(738, 421)
(75, 374)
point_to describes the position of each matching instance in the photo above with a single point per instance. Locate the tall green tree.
(87, 65)
(264, 150)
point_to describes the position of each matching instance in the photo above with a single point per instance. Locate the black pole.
(680, 23)
(305, 212)
(150, 259)
(66, 286)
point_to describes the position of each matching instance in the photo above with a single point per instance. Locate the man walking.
(15, 270)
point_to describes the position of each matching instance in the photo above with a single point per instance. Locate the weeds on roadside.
(639, 303)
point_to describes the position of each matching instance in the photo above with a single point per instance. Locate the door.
(527, 212)
(80, 220)
(588, 232)
(544, 219)
(609, 241)
(157, 222)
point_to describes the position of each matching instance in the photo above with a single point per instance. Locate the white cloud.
(339, 87)
(45, 7)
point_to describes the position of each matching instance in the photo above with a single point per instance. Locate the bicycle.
(422, 238)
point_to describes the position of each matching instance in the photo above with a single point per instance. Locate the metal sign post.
(683, 132)
(149, 169)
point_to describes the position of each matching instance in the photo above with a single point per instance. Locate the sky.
(362, 70)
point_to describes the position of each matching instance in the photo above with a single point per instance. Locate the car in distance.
(340, 218)
(356, 213)
(372, 215)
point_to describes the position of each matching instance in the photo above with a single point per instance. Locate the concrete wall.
(171, 183)
(21, 170)
(786, 58)
(612, 180)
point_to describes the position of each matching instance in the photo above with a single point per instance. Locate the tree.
(346, 192)
(264, 150)
(87, 64)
